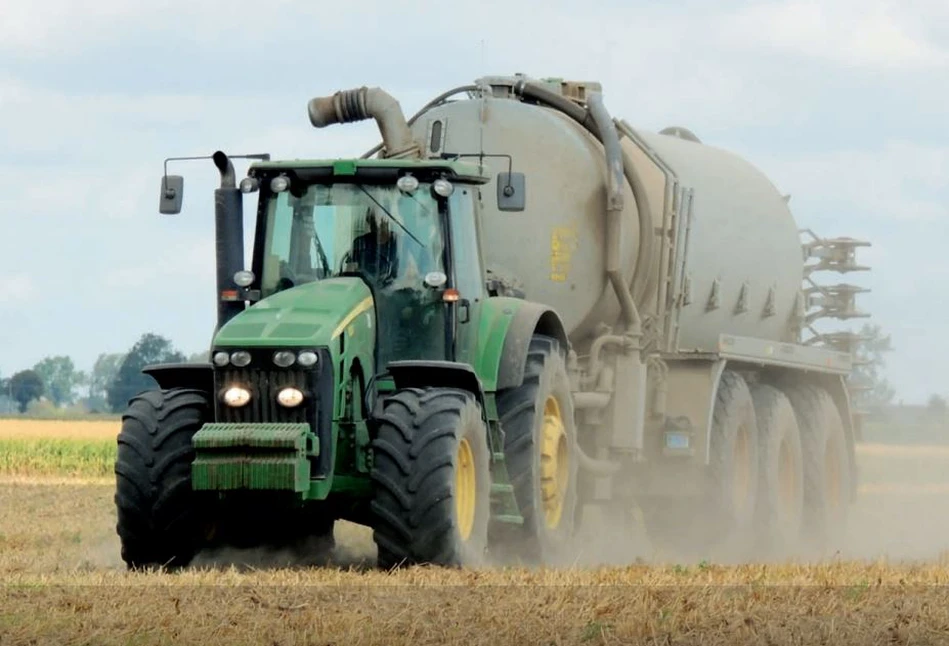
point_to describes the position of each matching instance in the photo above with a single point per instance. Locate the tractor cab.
(408, 231)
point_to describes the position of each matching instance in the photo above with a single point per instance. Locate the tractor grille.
(264, 386)
(265, 380)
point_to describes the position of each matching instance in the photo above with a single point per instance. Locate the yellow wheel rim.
(554, 463)
(466, 491)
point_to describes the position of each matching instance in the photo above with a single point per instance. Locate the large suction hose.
(587, 119)
(438, 100)
(347, 106)
(614, 212)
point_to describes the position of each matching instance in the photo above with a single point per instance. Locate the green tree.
(937, 406)
(129, 380)
(24, 387)
(871, 362)
(104, 372)
(60, 379)
(6, 401)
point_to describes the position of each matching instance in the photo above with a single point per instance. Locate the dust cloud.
(901, 514)
(302, 556)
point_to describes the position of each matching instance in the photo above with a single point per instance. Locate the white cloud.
(873, 35)
(16, 288)
(176, 264)
(891, 181)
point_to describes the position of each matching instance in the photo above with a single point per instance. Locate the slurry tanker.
(516, 316)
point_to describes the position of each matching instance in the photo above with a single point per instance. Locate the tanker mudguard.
(199, 376)
(530, 319)
(445, 374)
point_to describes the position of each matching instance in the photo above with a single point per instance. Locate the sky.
(843, 105)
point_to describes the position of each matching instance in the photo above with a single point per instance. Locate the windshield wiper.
(323, 259)
(391, 217)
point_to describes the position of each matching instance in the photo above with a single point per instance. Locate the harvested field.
(12, 428)
(64, 581)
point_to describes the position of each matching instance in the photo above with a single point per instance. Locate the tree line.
(114, 379)
(117, 377)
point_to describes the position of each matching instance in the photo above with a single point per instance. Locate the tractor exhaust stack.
(228, 240)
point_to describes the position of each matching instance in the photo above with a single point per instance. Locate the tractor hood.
(312, 314)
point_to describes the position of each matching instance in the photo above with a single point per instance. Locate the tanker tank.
(743, 242)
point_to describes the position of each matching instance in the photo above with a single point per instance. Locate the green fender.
(506, 327)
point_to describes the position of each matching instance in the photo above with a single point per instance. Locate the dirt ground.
(63, 583)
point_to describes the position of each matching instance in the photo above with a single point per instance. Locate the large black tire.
(827, 467)
(543, 473)
(733, 466)
(417, 455)
(159, 523)
(780, 507)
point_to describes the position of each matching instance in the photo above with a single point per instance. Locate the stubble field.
(63, 580)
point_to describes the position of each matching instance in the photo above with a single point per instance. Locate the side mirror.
(172, 192)
(511, 195)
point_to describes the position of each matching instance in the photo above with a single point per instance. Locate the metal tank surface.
(743, 265)
(555, 246)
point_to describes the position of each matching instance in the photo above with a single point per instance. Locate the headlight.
(407, 184)
(249, 184)
(307, 358)
(240, 358)
(221, 359)
(279, 184)
(284, 359)
(290, 397)
(443, 187)
(236, 396)
(244, 278)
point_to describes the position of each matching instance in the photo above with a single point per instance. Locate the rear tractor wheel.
(159, 522)
(540, 449)
(431, 477)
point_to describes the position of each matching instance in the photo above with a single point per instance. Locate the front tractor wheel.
(158, 522)
(431, 477)
(540, 448)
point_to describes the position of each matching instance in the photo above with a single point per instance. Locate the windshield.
(389, 238)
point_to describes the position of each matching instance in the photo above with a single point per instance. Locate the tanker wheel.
(733, 466)
(827, 468)
(159, 522)
(780, 507)
(432, 479)
(539, 446)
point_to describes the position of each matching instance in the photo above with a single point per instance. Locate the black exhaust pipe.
(229, 240)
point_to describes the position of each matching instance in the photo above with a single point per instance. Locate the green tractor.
(359, 370)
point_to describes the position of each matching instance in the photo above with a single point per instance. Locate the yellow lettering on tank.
(563, 242)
